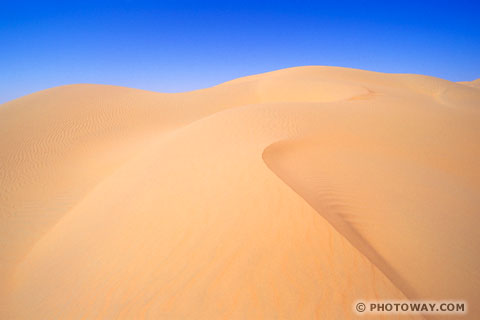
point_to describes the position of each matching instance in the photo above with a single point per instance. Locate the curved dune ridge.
(285, 195)
(474, 83)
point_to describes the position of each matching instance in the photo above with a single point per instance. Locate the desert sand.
(285, 195)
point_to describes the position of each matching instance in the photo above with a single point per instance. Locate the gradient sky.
(172, 46)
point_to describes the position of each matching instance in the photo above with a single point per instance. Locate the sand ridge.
(289, 194)
(473, 84)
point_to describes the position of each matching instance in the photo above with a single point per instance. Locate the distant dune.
(474, 83)
(285, 195)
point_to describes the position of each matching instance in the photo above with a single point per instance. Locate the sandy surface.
(285, 195)
(474, 83)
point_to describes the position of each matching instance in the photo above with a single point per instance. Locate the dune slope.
(289, 195)
(473, 84)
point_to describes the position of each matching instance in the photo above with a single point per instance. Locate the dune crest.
(474, 83)
(290, 194)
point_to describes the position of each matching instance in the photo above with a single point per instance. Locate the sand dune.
(474, 83)
(285, 195)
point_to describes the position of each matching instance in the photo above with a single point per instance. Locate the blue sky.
(172, 46)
